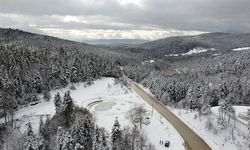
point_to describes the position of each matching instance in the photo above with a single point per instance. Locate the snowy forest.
(32, 64)
(74, 128)
(26, 72)
(192, 81)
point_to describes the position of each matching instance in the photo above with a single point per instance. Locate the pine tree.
(58, 103)
(127, 139)
(116, 137)
(41, 127)
(41, 131)
(59, 139)
(68, 107)
(104, 144)
(82, 133)
(97, 139)
(31, 143)
(68, 143)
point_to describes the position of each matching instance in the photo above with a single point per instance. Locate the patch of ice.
(104, 106)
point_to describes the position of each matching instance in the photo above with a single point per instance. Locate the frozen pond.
(103, 106)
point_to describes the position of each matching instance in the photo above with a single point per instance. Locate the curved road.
(192, 140)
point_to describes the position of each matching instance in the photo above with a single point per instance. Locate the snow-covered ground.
(216, 137)
(241, 49)
(217, 54)
(193, 51)
(172, 55)
(197, 51)
(238, 110)
(148, 61)
(112, 100)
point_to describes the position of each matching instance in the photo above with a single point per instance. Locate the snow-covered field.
(148, 61)
(241, 49)
(216, 137)
(193, 51)
(197, 51)
(106, 100)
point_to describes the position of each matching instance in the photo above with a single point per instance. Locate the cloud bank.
(109, 19)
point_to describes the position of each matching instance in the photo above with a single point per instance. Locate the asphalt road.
(192, 140)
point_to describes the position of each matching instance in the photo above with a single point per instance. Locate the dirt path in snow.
(192, 140)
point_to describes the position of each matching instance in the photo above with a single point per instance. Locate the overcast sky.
(128, 19)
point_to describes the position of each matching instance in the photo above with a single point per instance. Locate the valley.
(55, 87)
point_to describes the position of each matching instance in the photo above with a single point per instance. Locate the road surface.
(192, 140)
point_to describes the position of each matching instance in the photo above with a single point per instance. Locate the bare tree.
(138, 114)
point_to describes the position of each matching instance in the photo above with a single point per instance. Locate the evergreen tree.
(127, 139)
(59, 139)
(58, 102)
(31, 143)
(82, 133)
(104, 143)
(41, 127)
(97, 143)
(68, 143)
(68, 107)
(116, 136)
(41, 131)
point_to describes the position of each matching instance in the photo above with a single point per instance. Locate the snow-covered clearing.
(148, 61)
(196, 50)
(241, 49)
(216, 137)
(172, 55)
(217, 54)
(107, 100)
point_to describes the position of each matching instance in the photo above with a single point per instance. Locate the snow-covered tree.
(137, 114)
(31, 141)
(82, 133)
(59, 139)
(194, 97)
(68, 143)
(68, 107)
(58, 102)
(116, 136)
(97, 139)
(206, 109)
(41, 127)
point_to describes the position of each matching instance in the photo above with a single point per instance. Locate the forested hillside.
(218, 77)
(33, 64)
(182, 44)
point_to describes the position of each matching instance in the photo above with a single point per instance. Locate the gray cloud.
(165, 15)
